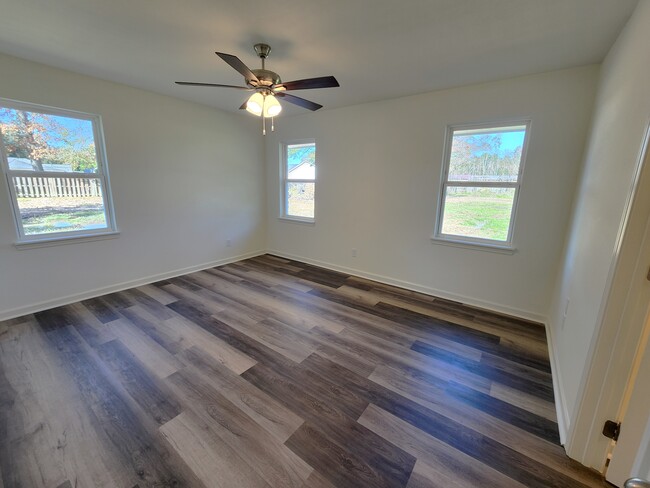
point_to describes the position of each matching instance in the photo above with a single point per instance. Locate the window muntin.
(482, 174)
(298, 180)
(54, 164)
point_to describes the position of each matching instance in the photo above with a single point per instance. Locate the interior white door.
(631, 455)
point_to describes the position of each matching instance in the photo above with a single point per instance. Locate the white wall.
(378, 180)
(621, 115)
(185, 178)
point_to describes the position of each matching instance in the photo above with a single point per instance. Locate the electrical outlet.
(228, 243)
(354, 253)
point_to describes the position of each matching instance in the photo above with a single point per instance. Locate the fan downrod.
(266, 78)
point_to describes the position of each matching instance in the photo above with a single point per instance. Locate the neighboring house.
(24, 164)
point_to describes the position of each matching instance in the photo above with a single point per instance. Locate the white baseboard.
(58, 302)
(563, 419)
(490, 306)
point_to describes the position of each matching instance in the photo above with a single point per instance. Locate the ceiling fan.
(268, 85)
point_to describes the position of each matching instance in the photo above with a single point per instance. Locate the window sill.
(476, 246)
(298, 220)
(61, 240)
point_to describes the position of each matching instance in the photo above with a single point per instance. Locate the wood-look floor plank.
(276, 419)
(156, 358)
(536, 385)
(148, 392)
(525, 401)
(272, 461)
(438, 401)
(425, 476)
(448, 462)
(157, 294)
(230, 357)
(391, 463)
(488, 450)
(341, 467)
(214, 463)
(317, 480)
(138, 446)
(273, 334)
(530, 422)
(47, 432)
(150, 326)
(102, 310)
(267, 279)
(265, 302)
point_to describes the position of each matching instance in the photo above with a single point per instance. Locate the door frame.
(628, 456)
(612, 348)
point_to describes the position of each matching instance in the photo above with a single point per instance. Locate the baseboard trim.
(563, 420)
(58, 302)
(490, 306)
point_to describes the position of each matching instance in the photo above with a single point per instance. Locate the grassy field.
(47, 215)
(478, 216)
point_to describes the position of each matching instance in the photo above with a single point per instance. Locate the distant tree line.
(481, 155)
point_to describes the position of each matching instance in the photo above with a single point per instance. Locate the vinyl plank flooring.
(450, 464)
(270, 372)
(273, 461)
(156, 359)
(214, 463)
(525, 401)
(272, 416)
(138, 446)
(147, 391)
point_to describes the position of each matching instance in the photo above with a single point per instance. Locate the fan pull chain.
(263, 126)
(272, 125)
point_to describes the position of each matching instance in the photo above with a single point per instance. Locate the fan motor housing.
(266, 77)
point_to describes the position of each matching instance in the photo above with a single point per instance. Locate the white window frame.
(101, 175)
(284, 181)
(477, 242)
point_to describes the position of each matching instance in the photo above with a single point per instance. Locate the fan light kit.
(268, 87)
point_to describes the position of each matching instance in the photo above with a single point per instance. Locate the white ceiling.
(377, 49)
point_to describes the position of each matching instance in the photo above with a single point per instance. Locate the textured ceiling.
(377, 49)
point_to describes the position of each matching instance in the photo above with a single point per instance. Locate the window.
(55, 168)
(298, 180)
(482, 173)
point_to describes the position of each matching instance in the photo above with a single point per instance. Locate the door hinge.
(612, 429)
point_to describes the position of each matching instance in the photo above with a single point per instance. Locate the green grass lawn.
(64, 221)
(478, 216)
(47, 215)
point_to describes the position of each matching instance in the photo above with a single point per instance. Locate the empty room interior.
(324, 244)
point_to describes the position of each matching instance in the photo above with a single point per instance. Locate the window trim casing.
(283, 204)
(508, 246)
(102, 175)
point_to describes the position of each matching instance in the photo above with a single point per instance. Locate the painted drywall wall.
(185, 179)
(378, 181)
(621, 116)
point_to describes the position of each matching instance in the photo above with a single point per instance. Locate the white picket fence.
(40, 187)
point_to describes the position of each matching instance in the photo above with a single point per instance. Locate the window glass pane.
(301, 161)
(63, 204)
(42, 142)
(486, 154)
(300, 199)
(478, 212)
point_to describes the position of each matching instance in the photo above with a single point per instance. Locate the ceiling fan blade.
(243, 105)
(322, 82)
(191, 83)
(299, 101)
(237, 63)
